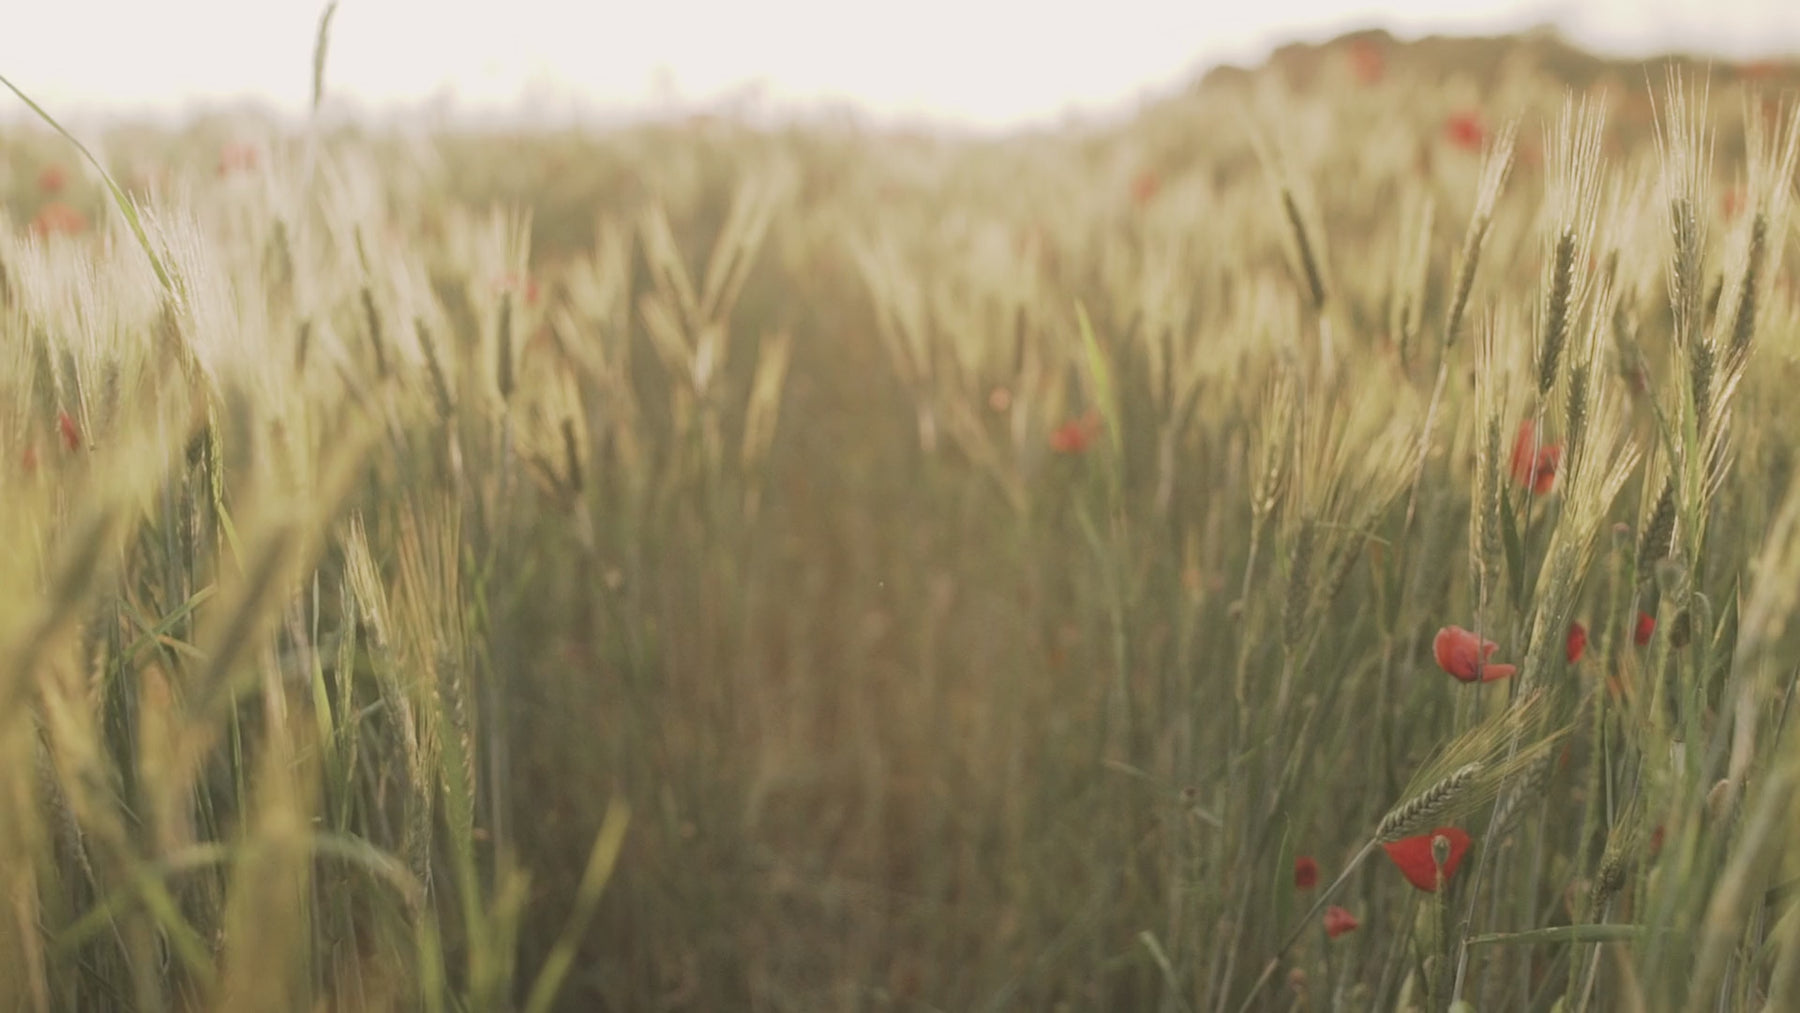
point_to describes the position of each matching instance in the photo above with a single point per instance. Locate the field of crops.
(1328, 543)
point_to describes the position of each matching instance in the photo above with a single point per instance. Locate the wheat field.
(1327, 543)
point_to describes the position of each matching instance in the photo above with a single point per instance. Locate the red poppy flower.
(28, 460)
(1646, 625)
(52, 179)
(237, 157)
(1465, 131)
(1076, 435)
(71, 433)
(1731, 202)
(1760, 70)
(1465, 656)
(57, 218)
(527, 287)
(1534, 471)
(1366, 62)
(1070, 438)
(1577, 645)
(1416, 861)
(1145, 186)
(1306, 872)
(1339, 921)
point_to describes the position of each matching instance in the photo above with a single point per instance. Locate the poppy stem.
(1440, 939)
(1299, 929)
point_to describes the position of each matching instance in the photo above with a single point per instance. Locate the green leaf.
(158, 632)
(601, 862)
(1148, 938)
(1724, 646)
(1100, 370)
(146, 889)
(1515, 554)
(1564, 934)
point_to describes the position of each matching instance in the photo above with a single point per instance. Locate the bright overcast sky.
(986, 63)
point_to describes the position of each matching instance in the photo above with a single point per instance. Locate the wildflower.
(1339, 921)
(1076, 435)
(1760, 70)
(1070, 438)
(1464, 655)
(71, 433)
(1145, 186)
(235, 158)
(1306, 872)
(57, 218)
(28, 460)
(1577, 644)
(526, 286)
(52, 179)
(1418, 860)
(1534, 471)
(1646, 625)
(999, 400)
(1731, 202)
(1366, 62)
(1465, 131)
